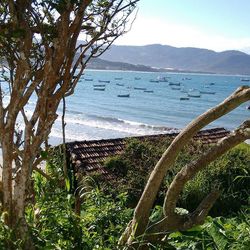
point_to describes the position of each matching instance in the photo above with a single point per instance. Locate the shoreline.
(168, 72)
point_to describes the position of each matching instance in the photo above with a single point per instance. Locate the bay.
(152, 107)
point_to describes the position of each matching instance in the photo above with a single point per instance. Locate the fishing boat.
(175, 88)
(138, 88)
(183, 91)
(99, 89)
(207, 92)
(106, 81)
(174, 84)
(196, 95)
(245, 79)
(125, 95)
(162, 79)
(184, 98)
(99, 85)
(148, 91)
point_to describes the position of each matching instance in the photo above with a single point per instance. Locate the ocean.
(100, 109)
(96, 111)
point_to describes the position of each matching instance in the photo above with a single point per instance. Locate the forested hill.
(184, 59)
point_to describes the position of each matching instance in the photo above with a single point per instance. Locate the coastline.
(167, 72)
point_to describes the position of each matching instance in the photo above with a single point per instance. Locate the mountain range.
(157, 57)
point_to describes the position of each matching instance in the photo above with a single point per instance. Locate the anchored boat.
(126, 95)
(138, 88)
(104, 81)
(99, 89)
(207, 92)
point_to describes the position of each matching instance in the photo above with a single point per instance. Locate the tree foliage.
(42, 59)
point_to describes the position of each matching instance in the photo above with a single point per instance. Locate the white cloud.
(149, 31)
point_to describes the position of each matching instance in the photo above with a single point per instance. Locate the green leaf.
(175, 235)
(67, 184)
(44, 154)
(217, 232)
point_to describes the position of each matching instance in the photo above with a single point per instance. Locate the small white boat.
(194, 95)
(183, 91)
(162, 79)
(175, 88)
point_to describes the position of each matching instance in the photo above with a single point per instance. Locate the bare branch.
(38, 170)
(188, 172)
(201, 212)
(142, 211)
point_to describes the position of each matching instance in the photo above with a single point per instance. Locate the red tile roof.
(89, 156)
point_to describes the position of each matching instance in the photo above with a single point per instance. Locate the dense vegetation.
(230, 173)
(105, 212)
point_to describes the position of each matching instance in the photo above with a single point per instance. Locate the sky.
(213, 24)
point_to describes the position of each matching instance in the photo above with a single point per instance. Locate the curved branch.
(142, 211)
(172, 221)
(189, 171)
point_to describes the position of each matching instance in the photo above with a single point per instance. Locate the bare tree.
(140, 226)
(42, 59)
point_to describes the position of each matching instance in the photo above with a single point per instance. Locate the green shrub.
(54, 225)
(132, 168)
(216, 233)
(117, 166)
(230, 173)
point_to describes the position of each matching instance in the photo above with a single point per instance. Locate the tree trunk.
(7, 178)
(21, 191)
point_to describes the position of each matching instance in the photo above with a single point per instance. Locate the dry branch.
(144, 206)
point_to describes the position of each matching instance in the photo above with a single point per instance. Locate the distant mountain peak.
(184, 58)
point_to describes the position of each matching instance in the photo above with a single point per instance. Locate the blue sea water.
(96, 114)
